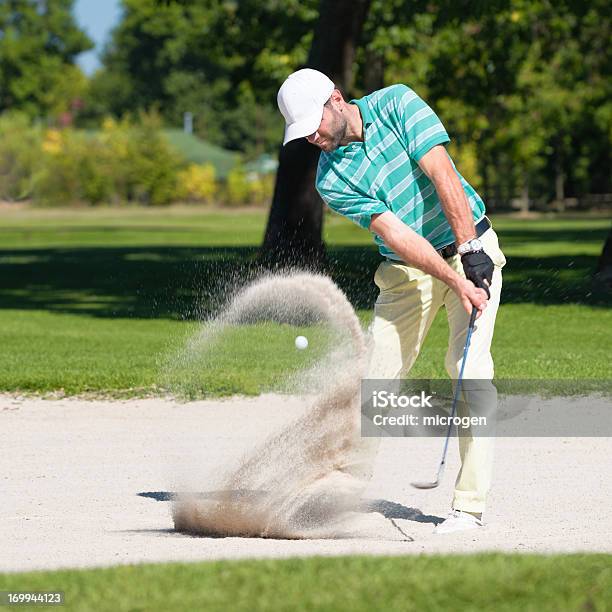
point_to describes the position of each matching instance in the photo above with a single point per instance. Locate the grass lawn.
(104, 300)
(455, 582)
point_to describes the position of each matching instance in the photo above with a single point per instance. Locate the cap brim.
(303, 128)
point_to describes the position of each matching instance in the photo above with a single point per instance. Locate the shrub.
(262, 189)
(196, 183)
(144, 165)
(20, 144)
(125, 161)
(247, 188)
(71, 170)
(236, 186)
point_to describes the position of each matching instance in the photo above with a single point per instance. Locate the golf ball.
(301, 342)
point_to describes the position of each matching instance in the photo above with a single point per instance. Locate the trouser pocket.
(490, 243)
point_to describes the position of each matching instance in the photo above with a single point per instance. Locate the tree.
(604, 264)
(522, 85)
(525, 82)
(219, 59)
(293, 233)
(39, 41)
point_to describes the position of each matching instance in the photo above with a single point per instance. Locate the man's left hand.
(478, 268)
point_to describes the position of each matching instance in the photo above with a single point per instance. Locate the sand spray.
(305, 481)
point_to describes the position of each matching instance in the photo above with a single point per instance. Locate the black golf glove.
(478, 268)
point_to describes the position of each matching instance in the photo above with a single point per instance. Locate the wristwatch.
(470, 246)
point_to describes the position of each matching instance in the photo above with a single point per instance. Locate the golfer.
(384, 166)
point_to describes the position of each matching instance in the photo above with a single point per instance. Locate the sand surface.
(89, 483)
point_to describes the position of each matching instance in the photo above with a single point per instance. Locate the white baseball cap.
(301, 99)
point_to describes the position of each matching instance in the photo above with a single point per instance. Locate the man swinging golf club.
(384, 166)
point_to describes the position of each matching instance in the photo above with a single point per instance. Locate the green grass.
(127, 227)
(103, 300)
(454, 582)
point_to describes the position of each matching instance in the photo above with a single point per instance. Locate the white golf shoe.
(458, 521)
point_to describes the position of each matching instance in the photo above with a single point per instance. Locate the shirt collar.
(365, 113)
(366, 117)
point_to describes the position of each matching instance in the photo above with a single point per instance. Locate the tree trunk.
(524, 199)
(294, 232)
(293, 235)
(486, 181)
(559, 181)
(604, 265)
(374, 71)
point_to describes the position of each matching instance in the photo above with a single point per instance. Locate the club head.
(425, 485)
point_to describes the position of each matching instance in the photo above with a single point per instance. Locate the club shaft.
(468, 339)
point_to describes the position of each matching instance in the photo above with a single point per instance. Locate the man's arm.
(437, 166)
(436, 163)
(418, 252)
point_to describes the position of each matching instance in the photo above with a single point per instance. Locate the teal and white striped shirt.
(382, 173)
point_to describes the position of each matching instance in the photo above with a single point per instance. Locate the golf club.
(436, 482)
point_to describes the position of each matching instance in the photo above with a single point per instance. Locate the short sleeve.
(419, 124)
(357, 207)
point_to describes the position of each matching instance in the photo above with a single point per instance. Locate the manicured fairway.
(102, 300)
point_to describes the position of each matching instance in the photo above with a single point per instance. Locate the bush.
(72, 170)
(196, 183)
(262, 189)
(236, 186)
(20, 144)
(144, 165)
(247, 188)
(125, 161)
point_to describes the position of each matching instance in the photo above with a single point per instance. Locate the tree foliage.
(39, 41)
(522, 85)
(221, 60)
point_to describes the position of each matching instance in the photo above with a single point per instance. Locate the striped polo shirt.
(382, 173)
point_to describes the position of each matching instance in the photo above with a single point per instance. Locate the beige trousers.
(406, 306)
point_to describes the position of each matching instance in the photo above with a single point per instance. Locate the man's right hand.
(470, 295)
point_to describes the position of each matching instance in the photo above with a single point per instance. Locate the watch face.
(469, 247)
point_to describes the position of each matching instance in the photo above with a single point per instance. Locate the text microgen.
(438, 420)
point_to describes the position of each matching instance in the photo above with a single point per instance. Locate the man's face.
(331, 132)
